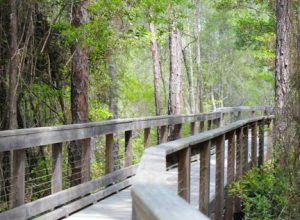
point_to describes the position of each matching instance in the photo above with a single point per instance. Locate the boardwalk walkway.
(118, 206)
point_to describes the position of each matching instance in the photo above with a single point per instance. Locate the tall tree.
(155, 65)
(79, 92)
(12, 122)
(199, 105)
(283, 55)
(175, 79)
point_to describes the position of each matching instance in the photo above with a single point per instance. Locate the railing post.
(17, 194)
(239, 162)
(56, 178)
(261, 143)
(202, 127)
(193, 128)
(270, 140)
(232, 119)
(177, 131)
(230, 173)
(209, 122)
(163, 134)
(184, 171)
(128, 150)
(204, 177)
(239, 115)
(147, 137)
(86, 160)
(254, 144)
(109, 146)
(219, 200)
(222, 119)
(245, 149)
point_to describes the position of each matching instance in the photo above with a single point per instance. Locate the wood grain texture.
(109, 146)
(128, 148)
(50, 202)
(17, 194)
(56, 178)
(220, 157)
(261, 143)
(254, 144)
(230, 173)
(204, 177)
(184, 170)
(147, 137)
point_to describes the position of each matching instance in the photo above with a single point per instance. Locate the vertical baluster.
(177, 131)
(252, 113)
(246, 149)
(128, 150)
(239, 162)
(184, 171)
(56, 178)
(254, 144)
(109, 146)
(239, 115)
(230, 173)
(86, 160)
(232, 119)
(202, 126)
(261, 143)
(17, 196)
(163, 134)
(209, 125)
(219, 200)
(193, 128)
(204, 177)
(147, 137)
(270, 140)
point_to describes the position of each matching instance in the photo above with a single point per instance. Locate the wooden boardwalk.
(118, 206)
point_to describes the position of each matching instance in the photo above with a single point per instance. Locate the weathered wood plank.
(230, 173)
(254, 144)
(204, 177)
(57, 160)
(128, 150)
(86, 160)
(270, 140)
(239, 162)
(147, 137)
(193, 128)
(220, 157)
(245, 149)
(25, 138)
(49, 202)
(109, 146)
(261, 143)
(163, 134)
(184, 171)
(17, 194)
(85, 201)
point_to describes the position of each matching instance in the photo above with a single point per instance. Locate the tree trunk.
(282, 61)
(156, 68)
(13, 69)
(189, 73)
(199, 99)
(79, 94)
(175, 80)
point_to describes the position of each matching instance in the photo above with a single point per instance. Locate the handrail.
(17, 141)
(25, 138)
(151, 198)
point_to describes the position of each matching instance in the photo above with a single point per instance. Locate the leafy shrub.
(263, 192)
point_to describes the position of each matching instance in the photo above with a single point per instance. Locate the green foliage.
(263, 192)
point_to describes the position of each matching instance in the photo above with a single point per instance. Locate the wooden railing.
(151, 195)
(18, 141)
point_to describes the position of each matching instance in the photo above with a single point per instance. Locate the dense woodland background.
(77, 61)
